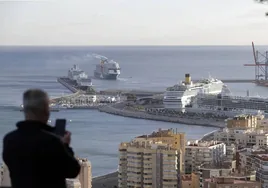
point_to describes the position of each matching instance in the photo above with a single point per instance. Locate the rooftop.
(263, 157)
(211, 166)
(147, 144)
(243, 117)
(186, 178)
(198, 143)
(84, 161)
(161, 133)
(227, 180)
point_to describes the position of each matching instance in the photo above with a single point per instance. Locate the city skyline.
(118, 22)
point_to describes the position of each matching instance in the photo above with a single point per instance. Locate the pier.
(73, 88)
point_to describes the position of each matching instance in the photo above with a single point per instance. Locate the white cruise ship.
(181, 95)
(79, 76)
(228, 104)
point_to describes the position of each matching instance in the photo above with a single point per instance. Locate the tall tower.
(5, 178)
(73, 183)
(154, 160)
(85, 176)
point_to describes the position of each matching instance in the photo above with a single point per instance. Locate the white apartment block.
(230, 152)
(146, 163)
(246, 158)
(261, 165)
(73, 183)
(85, 176)
(208, 171)
(242, 137)
(198, 153)
(83, 180)
(4, 177)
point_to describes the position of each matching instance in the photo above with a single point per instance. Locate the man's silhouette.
(35, 156)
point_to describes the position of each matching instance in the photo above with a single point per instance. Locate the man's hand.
(66, 139)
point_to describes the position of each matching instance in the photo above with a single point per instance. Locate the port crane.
(261, 66)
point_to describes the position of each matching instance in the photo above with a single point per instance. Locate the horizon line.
(142, 45)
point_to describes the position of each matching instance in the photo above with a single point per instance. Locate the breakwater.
(115, 110)
(72, 86)
(67, 83)
(108, 180)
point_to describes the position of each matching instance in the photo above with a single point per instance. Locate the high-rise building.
(242, 121)
(261, 166)
(243, 138)
(84, 179)
(154, 160)
(5, 178)
(85, 176)
(73, 183)
(198, 153)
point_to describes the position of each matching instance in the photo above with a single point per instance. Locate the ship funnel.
(187, 79)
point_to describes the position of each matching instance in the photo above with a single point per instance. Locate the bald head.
(36, 105)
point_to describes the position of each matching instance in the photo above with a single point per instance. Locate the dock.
(70, 86)
(73, 88)
(138, 93)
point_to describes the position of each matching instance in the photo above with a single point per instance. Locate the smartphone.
(60, 127)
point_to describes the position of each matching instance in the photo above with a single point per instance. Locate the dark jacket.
(37, 158)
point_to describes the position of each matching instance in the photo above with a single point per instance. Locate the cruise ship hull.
(72, 85)
(105, 76)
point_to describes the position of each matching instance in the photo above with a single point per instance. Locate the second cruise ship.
(180, 95)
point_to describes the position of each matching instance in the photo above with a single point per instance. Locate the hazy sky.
(133, 22)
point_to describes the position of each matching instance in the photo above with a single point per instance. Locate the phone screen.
(60, 127)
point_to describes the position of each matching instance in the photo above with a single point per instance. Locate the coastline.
(107, 180)
(111, 109)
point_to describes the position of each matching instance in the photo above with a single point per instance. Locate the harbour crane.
(261, 66)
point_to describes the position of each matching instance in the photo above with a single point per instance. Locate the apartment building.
(73, 183)
(261, 166)
(206, 171)
(190, 181)
(84, 179)
(245, 159)
(154, 160)
(198, 153)
(85, 176)
(230, 182)
(242, 137)
(242, 121)
(263, 124)
(4, 177)
(230, 152)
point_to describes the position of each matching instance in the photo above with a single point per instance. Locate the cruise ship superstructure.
(107, 69)
(77, 80)
(180, 95)
(79, 76)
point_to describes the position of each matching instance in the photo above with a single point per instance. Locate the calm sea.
(97, 135)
